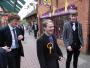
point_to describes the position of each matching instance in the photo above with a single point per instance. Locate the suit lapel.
(8, 32)
(46, 38)
(70, 26)
(78, 29)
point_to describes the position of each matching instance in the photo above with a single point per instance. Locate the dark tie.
(15, 37)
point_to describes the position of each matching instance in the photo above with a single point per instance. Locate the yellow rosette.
(50, 46)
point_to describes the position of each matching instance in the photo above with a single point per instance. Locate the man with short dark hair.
(48, 51)
(12, 39)
(73, 39)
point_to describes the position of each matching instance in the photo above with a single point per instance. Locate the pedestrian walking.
(35, 28)
(12, 39)
(48, 51)
(73, 39)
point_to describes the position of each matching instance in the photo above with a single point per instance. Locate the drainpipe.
(88, 50)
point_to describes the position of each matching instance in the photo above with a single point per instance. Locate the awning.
(61, 11)
(28, 9)
(45, 15)
(12, 5)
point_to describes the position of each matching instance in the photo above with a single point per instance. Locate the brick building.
(83, 7)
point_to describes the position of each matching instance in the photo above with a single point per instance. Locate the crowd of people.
(48, 51)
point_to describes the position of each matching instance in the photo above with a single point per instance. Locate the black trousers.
(14, 59)
(52, 63)
(75, 53)
(3, 58)
(35, 33)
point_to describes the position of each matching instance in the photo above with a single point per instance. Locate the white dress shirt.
(35, 27)
(13, 46)
(73, 27)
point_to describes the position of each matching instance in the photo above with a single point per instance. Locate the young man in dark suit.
(35, 28)
(12, 39)
(73, 39)
(48, 51)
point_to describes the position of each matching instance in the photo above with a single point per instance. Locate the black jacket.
(3, 54)
(46, 59)
(21, 30)
(7, 38)
(33, 27)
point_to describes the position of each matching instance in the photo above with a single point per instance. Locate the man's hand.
(20, 37)
(81, 48)
(61, 58)
(69, 48)
(6, 48)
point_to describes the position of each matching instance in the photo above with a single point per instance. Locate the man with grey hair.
(48, 51)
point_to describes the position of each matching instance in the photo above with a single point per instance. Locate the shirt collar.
(11, 28)
(47, 34)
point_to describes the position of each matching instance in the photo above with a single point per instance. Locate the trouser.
(35, 33)
(14, 59)
(3, 58)
(75, 54)
(52, 63)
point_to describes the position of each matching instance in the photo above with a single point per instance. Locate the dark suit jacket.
(3, 58)
(45, 59)
(21, 30)
(34, 27)
(7, 39)
(1, 38)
